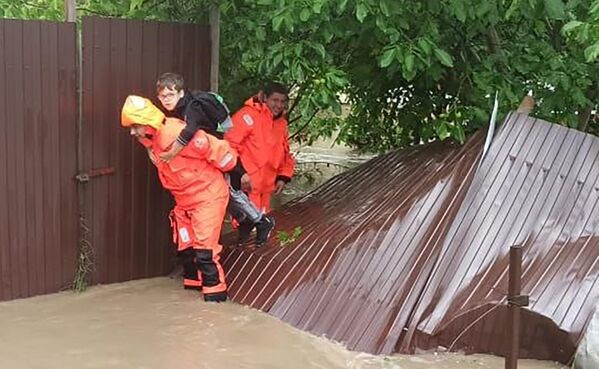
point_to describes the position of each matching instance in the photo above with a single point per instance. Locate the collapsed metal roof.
(410, 250)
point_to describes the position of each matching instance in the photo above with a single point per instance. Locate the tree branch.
(304, 126)
(299, 96)
(583, 119)
(84, 9)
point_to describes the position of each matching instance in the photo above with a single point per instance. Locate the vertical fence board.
(38, 146)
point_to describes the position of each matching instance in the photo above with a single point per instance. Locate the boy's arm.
(195, 119)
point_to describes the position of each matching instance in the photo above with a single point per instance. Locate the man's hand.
(246, 183)
(279, 186)
(169, 155)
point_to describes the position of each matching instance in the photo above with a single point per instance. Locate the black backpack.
(214, 107)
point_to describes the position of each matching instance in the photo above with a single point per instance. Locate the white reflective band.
(248, 119)
(184, 234)
(226, 160)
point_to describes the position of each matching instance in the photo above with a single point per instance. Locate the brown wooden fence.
(40, 145)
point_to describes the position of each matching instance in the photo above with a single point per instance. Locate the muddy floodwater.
(155, 324)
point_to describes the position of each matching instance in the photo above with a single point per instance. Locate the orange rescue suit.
(195, 179)
(263, 146)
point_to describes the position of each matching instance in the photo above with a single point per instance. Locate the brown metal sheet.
(32, 154)
(5, 269)
(127, 211)
(16, 167)
(410, 250)
(68, 117)
(36, 119)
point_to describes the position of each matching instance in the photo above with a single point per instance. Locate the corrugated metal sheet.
(38, 134)
(410, 250)
(127, 211)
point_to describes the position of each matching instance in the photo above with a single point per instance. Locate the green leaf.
(341, 5)
(393, 34)
(424, 45)
(459, 9)
(135, 4)
(277, 21)
(336, 107)
(444, 57)
(571, 26)
(555, 9)
(337, 78)
(260, 34)
(592, 52)
(361, 12)
(320, 50)
(277, 59)
(384, 8)
(441, 130)
(484, 8)
(317, 6)
(512, 9)
(264, 2)
(459, 133)
(381, 23)
(304, 15)
(409, 62)
(388, 57)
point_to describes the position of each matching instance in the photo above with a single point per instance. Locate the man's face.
(139, 131)
(277, 103)
(169, 97)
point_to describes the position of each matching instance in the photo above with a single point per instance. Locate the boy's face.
(277, 103)
(169, 97)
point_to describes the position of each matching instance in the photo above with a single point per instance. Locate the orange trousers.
(196, 232)
(261, 200)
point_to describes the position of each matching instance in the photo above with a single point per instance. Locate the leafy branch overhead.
(409, 71)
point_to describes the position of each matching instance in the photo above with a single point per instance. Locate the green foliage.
(411, 71)
(285, 238)
(32, 9)
(584, 30)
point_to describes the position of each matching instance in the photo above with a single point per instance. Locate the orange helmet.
(139, 110)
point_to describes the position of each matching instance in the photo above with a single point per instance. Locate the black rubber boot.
(244, 230)
(216, 297)
(263, 230)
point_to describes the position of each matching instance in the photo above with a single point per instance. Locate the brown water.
(155, 324)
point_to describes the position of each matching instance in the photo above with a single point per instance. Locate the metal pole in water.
(515, 302)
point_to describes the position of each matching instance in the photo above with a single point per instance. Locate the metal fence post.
(70, 11)
(515, 302)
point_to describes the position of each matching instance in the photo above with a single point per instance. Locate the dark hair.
(277, 87)
(170, 80)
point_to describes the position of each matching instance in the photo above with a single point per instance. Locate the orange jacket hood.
(139, 110)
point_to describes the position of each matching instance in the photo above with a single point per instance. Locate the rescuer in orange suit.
(195, 179)
(261, 136)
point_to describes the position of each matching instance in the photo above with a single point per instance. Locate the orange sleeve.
(243, 124)
(217, 152)
(288, 163)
